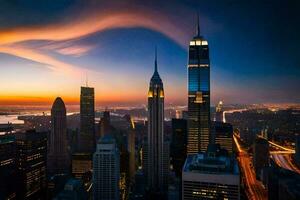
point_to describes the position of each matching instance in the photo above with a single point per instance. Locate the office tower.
(8, 166)
(223, 135)
(87, 120)
(219, 112)
(105, 123)
(297, 150)
(31, 160)
(178, 145)
(106, 169)
(58, 154)
(73, 190)
(156, 176)
(260, 155)
(210, 175)
(198, 95)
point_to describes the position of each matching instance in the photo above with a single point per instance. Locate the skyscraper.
(8, 166)
(31, 161)
(58, 155)
(87, 120)
(198, 95)
(156, 174)
(219, 112)
(106, 169)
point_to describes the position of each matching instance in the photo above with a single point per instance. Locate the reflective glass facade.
(198, 96)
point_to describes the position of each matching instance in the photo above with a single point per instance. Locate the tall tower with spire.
(156, 149)
(198, 94)
(58, 155)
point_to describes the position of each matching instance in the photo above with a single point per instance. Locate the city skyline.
(53, 49)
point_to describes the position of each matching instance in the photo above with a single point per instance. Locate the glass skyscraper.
(198, 95)
(87, 120)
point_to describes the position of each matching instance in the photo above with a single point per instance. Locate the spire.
(86, 80)
(198, 26)
(155, 62)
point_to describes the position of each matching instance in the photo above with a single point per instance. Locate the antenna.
(86, 79)
(198, 25)
(155, 62)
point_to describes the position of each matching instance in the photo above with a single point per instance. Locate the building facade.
(156, 174)
(223, 135)
(31, 159)
(58, 153)
(86, 141)
(8, 166)
(210, 176)
(198, 95)
(106, 170)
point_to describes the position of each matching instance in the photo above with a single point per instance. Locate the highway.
(254, 188)
(285, 161)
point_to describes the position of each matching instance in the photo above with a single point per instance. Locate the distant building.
(223, 135)
(106, 169)
(8, 166)
(87, 120)
(219, 112)
(105, 124)
(156, 175)
(198, 95)
(261, 155)
(31, 159)
(210, 176)
(178, 145)
(58, 153)
(73, 190)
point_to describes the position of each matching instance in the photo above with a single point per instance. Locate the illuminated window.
(192, 43)
(198, 42)
(204, 42)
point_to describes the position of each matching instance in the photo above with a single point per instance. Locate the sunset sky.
(48, 48)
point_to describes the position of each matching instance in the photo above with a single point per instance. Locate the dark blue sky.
(254, 47)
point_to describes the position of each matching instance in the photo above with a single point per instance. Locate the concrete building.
(106, 170)
(261, 155)
(210, 176)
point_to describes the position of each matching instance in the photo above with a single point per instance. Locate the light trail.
(231, 111)
(254, 189)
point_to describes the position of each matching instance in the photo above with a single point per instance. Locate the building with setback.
(156, 172)
(198, 95)
(87, 120)
(106, 169)
(210, 175)
(58, 154)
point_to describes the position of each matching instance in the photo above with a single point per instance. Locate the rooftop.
(211, 162)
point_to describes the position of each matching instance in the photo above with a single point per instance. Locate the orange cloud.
(95, 22)
(51, 63)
